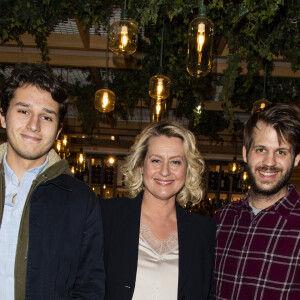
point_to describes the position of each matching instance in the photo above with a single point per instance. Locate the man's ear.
(2, 118)
(244, 154)
(297, 159)
(58, 131)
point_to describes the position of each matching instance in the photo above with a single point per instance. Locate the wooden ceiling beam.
(84, 34)
(68, 58)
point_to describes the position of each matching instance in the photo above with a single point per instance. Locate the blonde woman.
(154, 248)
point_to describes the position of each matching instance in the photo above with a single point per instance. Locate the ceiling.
(75, 53)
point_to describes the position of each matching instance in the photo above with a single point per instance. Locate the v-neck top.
(157, 271)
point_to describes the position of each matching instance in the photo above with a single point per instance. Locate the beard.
(273, 189)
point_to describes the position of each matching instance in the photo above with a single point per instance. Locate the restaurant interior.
(206, 64)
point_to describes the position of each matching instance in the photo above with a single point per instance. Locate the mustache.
(265, 169)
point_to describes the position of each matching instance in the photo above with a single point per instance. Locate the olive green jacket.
(56, 167)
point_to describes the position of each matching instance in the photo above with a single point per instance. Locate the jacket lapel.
(130, 232)
(186, 246)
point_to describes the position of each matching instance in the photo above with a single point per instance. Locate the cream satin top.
(157, 270)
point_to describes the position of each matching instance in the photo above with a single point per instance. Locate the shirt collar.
(283, 206)
(10, 175)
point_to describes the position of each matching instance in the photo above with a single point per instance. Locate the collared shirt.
(11, 222)
(258, 256)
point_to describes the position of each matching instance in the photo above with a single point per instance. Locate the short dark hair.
(38, 75)
(283, 117)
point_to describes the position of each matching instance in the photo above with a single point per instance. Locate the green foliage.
(257, 32)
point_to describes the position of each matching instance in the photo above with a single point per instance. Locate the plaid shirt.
(258, 256)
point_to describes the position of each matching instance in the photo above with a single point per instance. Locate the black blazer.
(196, 236)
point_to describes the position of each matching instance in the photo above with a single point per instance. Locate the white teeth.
(163, 182)
(267, 173)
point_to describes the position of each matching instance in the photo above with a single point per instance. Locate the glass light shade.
(260, 105)
(159, 87)
(81, 160)
(200, 46)
(123, 37)
(105, 100)
(158, 110)
(234, 167)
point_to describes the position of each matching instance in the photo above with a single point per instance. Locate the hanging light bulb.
(159, 86)
(158, 110)
(262, 103)
(81, 160)
(200, 44)
(123, 35)
(104, 100)
(234, 167)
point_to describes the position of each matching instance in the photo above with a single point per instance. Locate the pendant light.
(262, 103)
(104, 98)
(158, 110)
(123, 35)
(159, 85)
(234, 166)
(200, 44)
(81, 160)
(62, 146)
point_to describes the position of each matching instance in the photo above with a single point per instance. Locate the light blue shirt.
(11, 222)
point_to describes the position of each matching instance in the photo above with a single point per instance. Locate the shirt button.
(15, 213)
(245, 248)
(10, 279)
(254, 222)
(239, 277)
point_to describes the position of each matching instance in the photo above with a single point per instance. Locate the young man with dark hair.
(258, 237)
(51, 231)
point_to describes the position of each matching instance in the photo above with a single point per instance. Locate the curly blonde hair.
(193, 189)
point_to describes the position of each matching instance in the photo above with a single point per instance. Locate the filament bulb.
(234, 167)
(124, 36)
(80, 158)
(200, 40)
(158, 107)
(160, 86)
(105, 99)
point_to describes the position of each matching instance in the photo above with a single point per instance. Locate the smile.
(163, 182)
(31, 138)
(267, 173)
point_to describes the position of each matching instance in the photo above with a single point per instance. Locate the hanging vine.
(257, 32)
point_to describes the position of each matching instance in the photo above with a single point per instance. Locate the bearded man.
(258, 238)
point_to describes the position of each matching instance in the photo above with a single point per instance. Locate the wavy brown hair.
(193, 189)
(283, 117)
